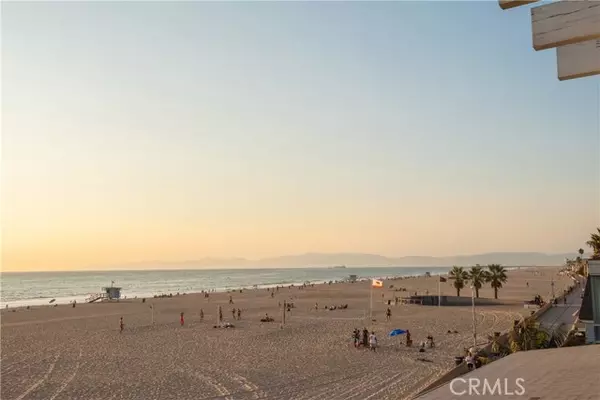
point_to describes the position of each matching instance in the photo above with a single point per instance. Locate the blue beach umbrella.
(397, 332)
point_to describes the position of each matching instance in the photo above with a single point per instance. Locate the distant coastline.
(327, 260)
(352, 260)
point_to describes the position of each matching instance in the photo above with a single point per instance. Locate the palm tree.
(569, 263)
(478, 277)
(594, 243)
(529, 335)
(580, 252)
(460, 276)
(496, 277)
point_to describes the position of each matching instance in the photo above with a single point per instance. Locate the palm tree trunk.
(477, 292)
(496, 293)
(457, 292)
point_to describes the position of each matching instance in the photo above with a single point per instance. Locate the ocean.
(38, 288)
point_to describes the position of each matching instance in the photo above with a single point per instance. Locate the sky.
(176, 131)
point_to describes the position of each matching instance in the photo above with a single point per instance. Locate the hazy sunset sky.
(156, 131)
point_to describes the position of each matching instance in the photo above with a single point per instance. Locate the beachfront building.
(589, 313)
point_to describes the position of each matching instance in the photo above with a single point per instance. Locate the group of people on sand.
(365, 339)
(331, 308)
(267, 319)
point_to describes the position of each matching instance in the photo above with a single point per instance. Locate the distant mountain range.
(315, 260)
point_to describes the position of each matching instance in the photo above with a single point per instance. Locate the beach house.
(589, 313)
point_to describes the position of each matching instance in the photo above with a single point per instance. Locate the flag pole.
(371, 303)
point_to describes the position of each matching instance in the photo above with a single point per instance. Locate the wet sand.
(78, 353)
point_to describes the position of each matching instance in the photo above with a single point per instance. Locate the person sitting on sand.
(267, 318)
(373, 341)
(430, 342)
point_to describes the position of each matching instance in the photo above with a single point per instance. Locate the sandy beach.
(78, 353)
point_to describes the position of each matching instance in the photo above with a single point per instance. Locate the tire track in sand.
(41, 380)
(20, 365)
(361, 387)
(249, 387)
(70, 378)
(256, 391)
(330, 387)
(217, 386)
(361, 382)
(382, 384)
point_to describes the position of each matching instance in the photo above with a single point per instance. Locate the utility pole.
(474, 320)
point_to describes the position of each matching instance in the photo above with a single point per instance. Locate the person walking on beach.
(121, 325)
(230, 300)
(239, 313)
(373, 341)
(220, 315)
(388, 314)
(233, 313)
(365, 338)
(201, 314)
(181, 318)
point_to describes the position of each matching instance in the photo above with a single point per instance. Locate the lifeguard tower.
(111, 292)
